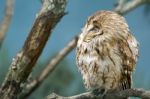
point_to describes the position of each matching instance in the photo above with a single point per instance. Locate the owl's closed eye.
(93, 32)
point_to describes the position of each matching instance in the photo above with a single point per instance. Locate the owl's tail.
(126, 82)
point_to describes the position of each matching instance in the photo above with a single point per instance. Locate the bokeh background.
(66, 79)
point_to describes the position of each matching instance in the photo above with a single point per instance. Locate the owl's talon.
(99, 92)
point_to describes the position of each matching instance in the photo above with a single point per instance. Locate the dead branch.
(6, 20)
(50, 14)
(110, 95)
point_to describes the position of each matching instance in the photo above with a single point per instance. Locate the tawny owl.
(106, 52)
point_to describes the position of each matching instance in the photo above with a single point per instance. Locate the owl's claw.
(99, 92)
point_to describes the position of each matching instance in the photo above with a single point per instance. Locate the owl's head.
(104, 23)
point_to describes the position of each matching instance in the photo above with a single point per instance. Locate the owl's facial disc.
(91, 31)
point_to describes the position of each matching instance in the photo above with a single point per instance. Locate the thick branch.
(6, 20)
(72, 44)
(110, 95)
(51, 12)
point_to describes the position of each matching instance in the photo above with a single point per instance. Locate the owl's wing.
(134, 46)
(129, 54)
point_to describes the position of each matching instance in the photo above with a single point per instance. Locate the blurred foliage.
(4, 63)
(61, 81)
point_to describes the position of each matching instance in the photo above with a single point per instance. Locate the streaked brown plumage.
(106, 52)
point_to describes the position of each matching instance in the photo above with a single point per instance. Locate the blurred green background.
(65, 79)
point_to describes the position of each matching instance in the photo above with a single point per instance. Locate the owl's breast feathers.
(107, 64)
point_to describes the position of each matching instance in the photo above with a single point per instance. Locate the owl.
(106, 52)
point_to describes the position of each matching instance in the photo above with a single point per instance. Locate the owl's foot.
(100, 92)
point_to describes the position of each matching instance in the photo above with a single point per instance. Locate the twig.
(130, 5)
(50, 67)
(6, 20)
(110, 95)
(120, 4)
(50, 14)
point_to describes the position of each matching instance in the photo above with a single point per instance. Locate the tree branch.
(110, 95)
(6, 20)
(50, 14)
(122, 9)
(125, 7)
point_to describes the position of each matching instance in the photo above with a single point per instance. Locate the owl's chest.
(98, 64)
(93, 56)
